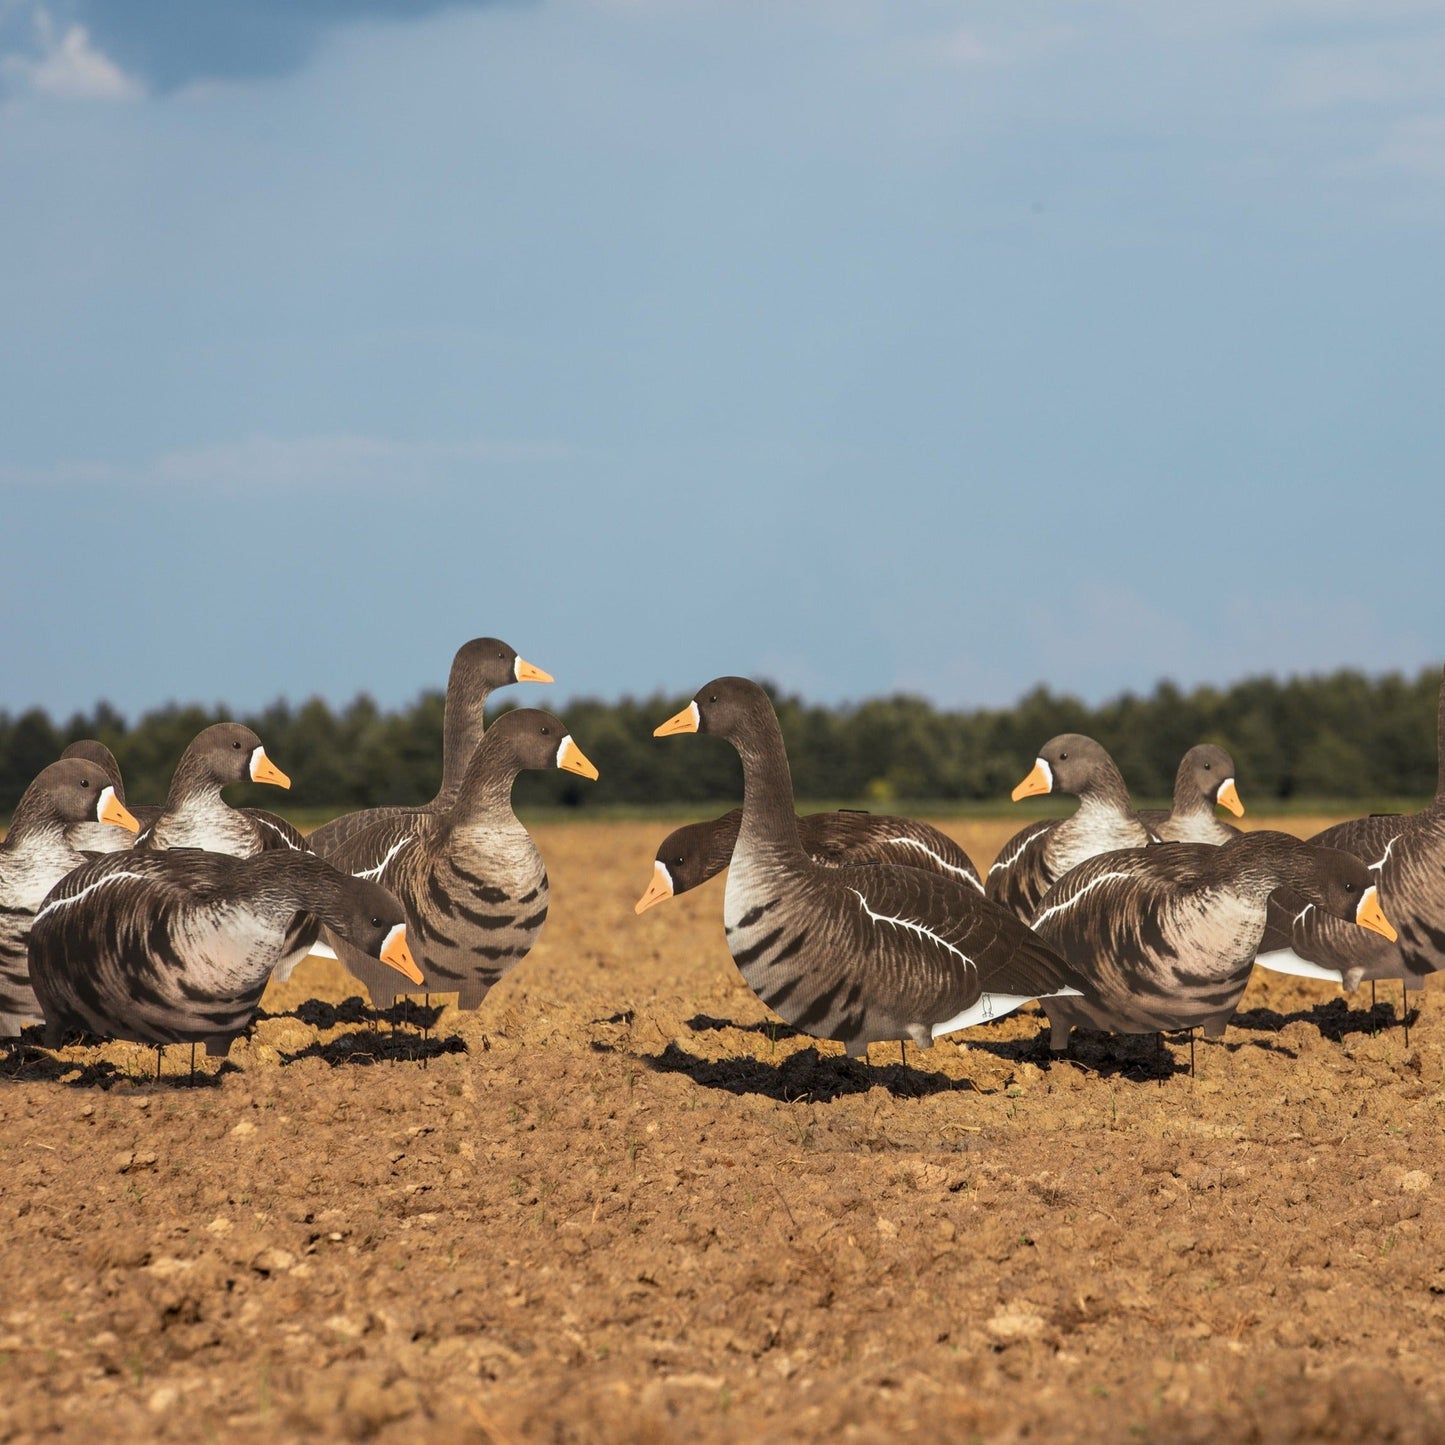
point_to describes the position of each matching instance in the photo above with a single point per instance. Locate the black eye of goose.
(544, 729)
(237, 746)
(1209, 767)
(1063, 757)
(376, 923)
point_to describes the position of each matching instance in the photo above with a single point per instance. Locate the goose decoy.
(1164, 938)
(1406, 855)
(34, 857)
(1205, 778)
(177, 946)
(471, 879)
(692, 854)
(478, 669)
(196, 816)
(93, 837)
(860, 954)
(1037, 856)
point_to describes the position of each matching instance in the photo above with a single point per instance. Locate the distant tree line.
(1341, 736)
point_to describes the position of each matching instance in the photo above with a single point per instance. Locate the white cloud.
(316, 461)
(962, 47)
(1416, 144)
(69, 65)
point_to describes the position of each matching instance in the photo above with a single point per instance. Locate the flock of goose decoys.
(164, 924)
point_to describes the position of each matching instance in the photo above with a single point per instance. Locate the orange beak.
(574, 760)
(396, 952)
(658, 891)
(526, 672)
(263, 770)
(1228, 797)
(1041, 780)
(1370, 915)
(682, 722)
(111, 810)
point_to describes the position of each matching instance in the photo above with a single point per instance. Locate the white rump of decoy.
(1286, 960)
(988, 1007)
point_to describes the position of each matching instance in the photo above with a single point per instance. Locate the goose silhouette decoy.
(692, 854)
(1406, 855)
(93, 837)
(1205, 779)
(855, 954)
(34, 857)
(196, 816)
(177, 946)
(471, 879)
(478, 669)
(1164, 938)
(1040, 854)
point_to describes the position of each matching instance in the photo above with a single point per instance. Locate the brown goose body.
(177, 946)
(696, 852)
(1039, 855)
(34, 857)
(1205, 779)
(1406, 854)
(471, 879)
(1165, 937)
(478, 669)
(856, 954)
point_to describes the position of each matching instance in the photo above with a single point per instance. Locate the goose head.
(1068, 763)
(535, 738)
(75, 791)
(231, 753)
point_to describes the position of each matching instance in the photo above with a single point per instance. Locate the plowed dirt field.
(616, 1205)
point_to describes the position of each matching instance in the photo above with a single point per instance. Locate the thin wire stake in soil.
(1405, 1009)
(1373, 1029)
(159, 1048)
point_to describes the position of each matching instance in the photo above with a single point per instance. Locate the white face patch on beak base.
(1047, 771)
(562, 750)
(107, 793)
(664, 878)
(399, 931)
(257, 758)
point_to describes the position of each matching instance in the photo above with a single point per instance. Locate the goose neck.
(463, 726)
(768, 818)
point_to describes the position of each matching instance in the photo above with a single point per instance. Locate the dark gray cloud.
(168, 44)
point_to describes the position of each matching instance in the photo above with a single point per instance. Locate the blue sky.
(860, 344)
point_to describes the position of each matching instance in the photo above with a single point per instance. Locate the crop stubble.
(632, 1210)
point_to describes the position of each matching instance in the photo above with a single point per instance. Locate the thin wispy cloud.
(64, 61)
(275, 462)
(166, 46)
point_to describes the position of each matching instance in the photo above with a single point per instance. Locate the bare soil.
(617, 1204)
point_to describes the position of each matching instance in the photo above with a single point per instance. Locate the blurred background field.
(1341, 742)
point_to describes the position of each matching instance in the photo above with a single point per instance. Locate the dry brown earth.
(623, 1209)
